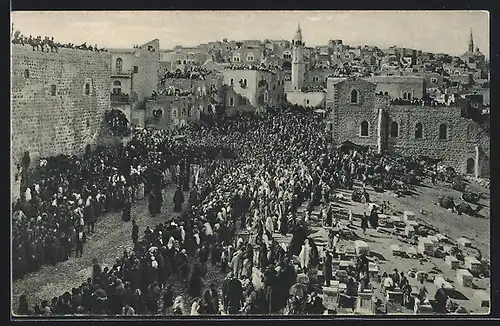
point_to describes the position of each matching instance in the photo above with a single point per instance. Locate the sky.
(432, 31)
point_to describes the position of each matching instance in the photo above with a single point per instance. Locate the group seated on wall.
(418, 102)
(260, 67)
(49, 44)
(193, 73)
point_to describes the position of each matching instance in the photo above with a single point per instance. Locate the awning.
(319, 111)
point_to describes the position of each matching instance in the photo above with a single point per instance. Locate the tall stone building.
(298, 65)
(361, 116)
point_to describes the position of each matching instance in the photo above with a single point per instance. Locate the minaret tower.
(471, 42)
(298, 66)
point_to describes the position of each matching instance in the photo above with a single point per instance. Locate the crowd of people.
(193, 72)
(419, 102)
(282, 159)
(48, 44)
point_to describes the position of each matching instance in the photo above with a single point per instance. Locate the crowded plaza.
(257, 201)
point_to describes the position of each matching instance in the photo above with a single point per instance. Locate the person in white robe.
(305, 255)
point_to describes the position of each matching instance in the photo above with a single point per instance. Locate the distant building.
(134, 78)
(252, 89)
(359, 115)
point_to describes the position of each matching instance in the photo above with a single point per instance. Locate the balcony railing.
(123, 73)
(120, 98)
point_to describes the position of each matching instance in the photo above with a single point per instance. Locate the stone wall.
(306, 99)
(463, 135)
(148, 62)
(347, 117)
(50, 110)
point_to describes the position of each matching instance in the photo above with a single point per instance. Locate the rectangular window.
(136, 69)
(53, 90)
(87, 89)
(231, 101)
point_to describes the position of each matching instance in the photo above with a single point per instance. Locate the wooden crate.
(409, 216)
(483, 297)
(452, 262)
(464, 278)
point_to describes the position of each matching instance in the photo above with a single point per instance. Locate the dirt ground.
(112, 236)
(449, 224)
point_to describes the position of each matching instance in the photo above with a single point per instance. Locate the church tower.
(298, 66)
(471, 42)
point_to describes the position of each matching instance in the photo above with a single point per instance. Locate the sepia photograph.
(249, 163)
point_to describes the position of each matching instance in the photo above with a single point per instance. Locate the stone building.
(358, 115)
(404, 87)
(252, 89)
(134, 77)
(173, 111)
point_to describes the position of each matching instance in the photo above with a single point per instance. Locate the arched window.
(409, 96)
(443, 131)
(404, 95)
(189, 111)
(386, 93)
(119, 65)
(394, 129)
(250, 57)
(232, 82)
(419, 131)
(364, 128)
(470, 166)
(354, 97)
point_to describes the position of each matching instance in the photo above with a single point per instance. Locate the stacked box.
(452, 262)
(472, 264)
(440, 281)
(441, 237)
(426, 246)
(409, 231)
(409, 216)
(361, 247)
(464, 278)
(464, 242)
(412, 223)
(432, 238)
(483, 297)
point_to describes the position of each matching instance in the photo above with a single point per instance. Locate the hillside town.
(252, 177)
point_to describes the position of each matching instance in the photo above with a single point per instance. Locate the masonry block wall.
(148, 62)
(53, 111)
(460, 144)
(463, 135)
(347, 117)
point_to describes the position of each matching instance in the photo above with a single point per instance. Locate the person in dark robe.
(211, 300)
(327, 268)
(135, 232)
(234, 296)
(80, 239)
(23, 308)
(374, 218)
(193, 197)
(127, 205)
(194, 282)
(153, 200)
(178, 200)
(441, 298)
(364, 222)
